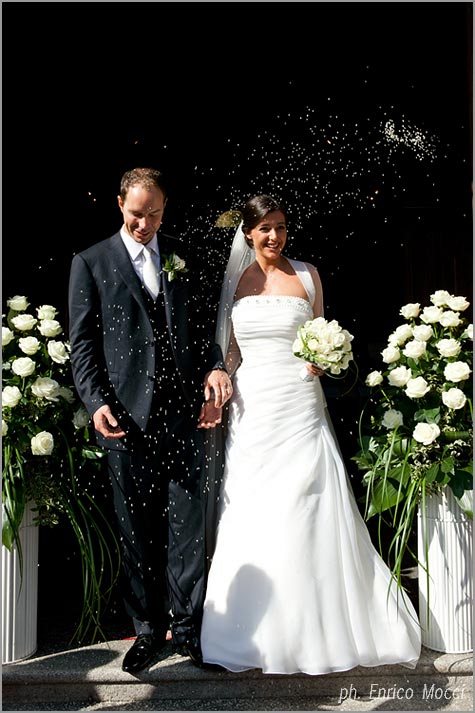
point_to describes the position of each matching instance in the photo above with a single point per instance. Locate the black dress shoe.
(192, 648)
(141, 653)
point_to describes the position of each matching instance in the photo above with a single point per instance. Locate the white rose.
(390, 354)
(45, 388)
(470, 331)
(410, 310)
(7, 336)
(423, 332)
(4, 427)
(416, 388)
(179, 263)
(374, 378)
(24, 366)
(81, 418)
(46, 312)
(430, 315)
(24, 322)
(392, 419)
(414, 349)
(426, 433)
(18, 303)
(29, 345)
(11, 395)
(400, 335)
(454, 398)
(459, 304)
(399, 376)
(42, 444)
(449, 347)
(58, 352)
(457, 371)
(66, 394)
(50, 327)
(440, 298)
(450, 319)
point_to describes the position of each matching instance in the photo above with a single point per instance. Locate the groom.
(139, 360)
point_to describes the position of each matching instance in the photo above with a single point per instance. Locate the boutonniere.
(172, 264)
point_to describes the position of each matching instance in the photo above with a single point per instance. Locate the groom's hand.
(106, 424)
(209, 416)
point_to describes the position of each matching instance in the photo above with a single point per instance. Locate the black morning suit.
(147, 361)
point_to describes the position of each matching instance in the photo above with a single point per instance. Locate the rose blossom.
(18, 303)
(50, 327)
(4, 427)
(470, 331)
(81, 418)
(430, 315)
(454, 398)
(29, 345)
(7, 336)
(24, 366)
(414, 349)
(66, 394)
(46, 312)
(459, 304)
(400, 335)
(440, 298)
(449, 347)
(426, 433)
(449, 319)
(411, 310)
(374, 378)
(399, 376)
(391, 354)
(392, 419)
(24, 322)
(42, 444)
(45, 388)
(423, 332)
(58, 352)
(416, 388)
(11, 395)
(457, 371)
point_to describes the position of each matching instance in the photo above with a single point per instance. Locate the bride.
(295, 584)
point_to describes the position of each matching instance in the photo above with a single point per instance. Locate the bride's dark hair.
(256, 208)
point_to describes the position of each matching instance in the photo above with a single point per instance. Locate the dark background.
(357, 115)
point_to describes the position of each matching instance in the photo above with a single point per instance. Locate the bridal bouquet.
(324, 344)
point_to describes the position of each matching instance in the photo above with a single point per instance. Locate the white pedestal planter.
(20, 595)
(447, 622)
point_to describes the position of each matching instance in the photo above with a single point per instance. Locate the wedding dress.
(295, 584)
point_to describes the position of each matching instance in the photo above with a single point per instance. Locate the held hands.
(313, 369)
(106, 424)
(217, 390)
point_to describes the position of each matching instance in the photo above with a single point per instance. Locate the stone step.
(92, 677)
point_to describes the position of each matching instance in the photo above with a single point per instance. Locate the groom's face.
(143, 212)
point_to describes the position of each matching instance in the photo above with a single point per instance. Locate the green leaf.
(432, 473)
(465, 502)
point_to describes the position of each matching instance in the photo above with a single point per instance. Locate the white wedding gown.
(295, 583)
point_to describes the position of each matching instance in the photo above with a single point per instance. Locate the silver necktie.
(150, 275)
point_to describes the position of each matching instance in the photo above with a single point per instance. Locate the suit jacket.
(113, 353)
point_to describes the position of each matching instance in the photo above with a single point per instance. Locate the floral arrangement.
(324, 344)
(420, 419)
(172, 264)
(46, 443)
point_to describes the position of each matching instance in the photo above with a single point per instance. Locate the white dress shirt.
(136, 254)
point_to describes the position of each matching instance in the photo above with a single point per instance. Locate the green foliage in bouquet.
(416, 431)
(47, 443)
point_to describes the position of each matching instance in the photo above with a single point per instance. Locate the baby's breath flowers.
(417, 430)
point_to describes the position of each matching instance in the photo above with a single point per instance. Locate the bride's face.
(270, 235)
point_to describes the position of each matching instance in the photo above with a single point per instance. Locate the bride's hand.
(314, 370)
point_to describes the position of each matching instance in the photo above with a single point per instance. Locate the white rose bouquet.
(47, 441)
(324, 344)
(416, 433)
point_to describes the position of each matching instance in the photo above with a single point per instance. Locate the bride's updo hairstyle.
(255, 209)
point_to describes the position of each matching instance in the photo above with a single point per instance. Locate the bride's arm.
(318, 302)
(233, 355)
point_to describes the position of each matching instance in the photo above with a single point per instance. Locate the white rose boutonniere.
(172, 264)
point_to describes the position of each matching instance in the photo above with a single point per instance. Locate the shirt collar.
(134, 248)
